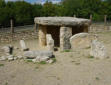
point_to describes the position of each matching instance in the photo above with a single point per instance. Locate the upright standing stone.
(23, 45)
(50, 42)
(65, 34)
(42, 35)
(98, 50)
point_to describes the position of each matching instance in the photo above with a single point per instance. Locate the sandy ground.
(71, 68)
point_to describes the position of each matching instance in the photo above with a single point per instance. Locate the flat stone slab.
(62, 21)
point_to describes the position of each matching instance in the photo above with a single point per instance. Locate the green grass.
(28, 60)
(91, 57)
(97, 78)
(54, 60)
(42, 62)
(1, 65)
(67, 50)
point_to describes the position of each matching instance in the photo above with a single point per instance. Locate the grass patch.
(97, 78)
(28, 60)
(77, 63)
(54, 60)
(43, 62)
(1, 65)
(67, 51)
(91, 57)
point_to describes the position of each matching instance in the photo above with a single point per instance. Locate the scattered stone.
(15, 58)
(65, 34)
(3, 58)
(20, 57)
(23, 45)
(34, 54)
(98, 50)
(10, 57)
(50, 42)
(50, 61)
(81, 41)
(8, 49)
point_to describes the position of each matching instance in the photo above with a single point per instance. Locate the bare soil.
(71, 68)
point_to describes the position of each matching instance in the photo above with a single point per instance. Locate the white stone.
(19, 57)
(23, 45)
(10, 57)
(50, 61)
(3, 58)
(98, 50)
(50, 42)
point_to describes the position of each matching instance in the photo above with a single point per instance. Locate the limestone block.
(65, 34)
(34, 54)
(50, 42)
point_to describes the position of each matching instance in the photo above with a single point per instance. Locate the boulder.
(81, 41)
(23, 45)
(98, 50)
(50, 42)
(34, 54)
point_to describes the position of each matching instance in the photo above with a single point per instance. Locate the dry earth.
(71, 68)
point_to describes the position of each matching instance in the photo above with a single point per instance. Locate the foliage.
(23, 13)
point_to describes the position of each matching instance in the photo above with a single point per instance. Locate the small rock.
(10, 57)
(20, 57)
(3, 58)
(50, 61)
(15, 58)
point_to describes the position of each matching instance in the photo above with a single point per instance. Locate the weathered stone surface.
(81, 40)
(98, 50)
(8, 50)
(23, 45)
(10, 57)
(42, 35)
(50, 42)
(40, 58)
(34, 54)
(58, 21)
(3, 58)
(65, 34)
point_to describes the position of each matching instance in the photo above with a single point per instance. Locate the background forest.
(23, 13)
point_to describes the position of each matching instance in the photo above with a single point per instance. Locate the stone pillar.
(35, 27)
(42, 35)
(65, 34)
(86, 28)
(50, 42)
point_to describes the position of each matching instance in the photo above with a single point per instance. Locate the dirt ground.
(71, 68)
